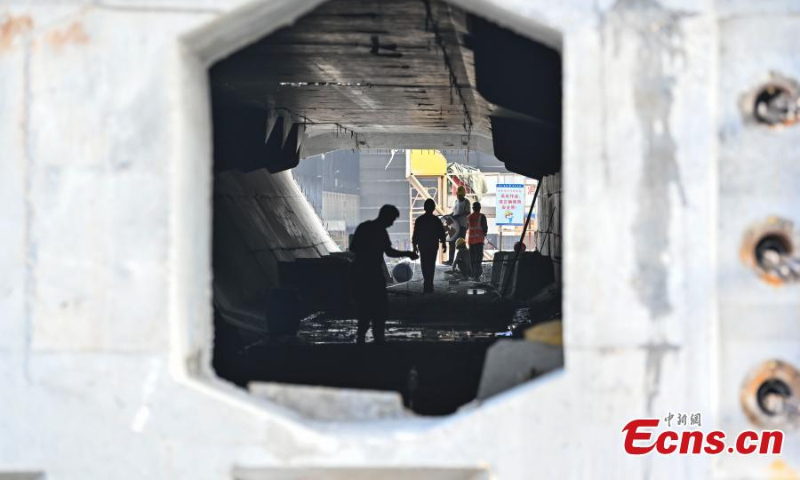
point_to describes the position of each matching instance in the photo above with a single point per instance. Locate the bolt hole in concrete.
(768, 248)
(769, 395)
(776, 105)
(772, 245)
(356, 105)
(772, 395)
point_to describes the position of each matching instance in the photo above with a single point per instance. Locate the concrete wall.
(105, 297)
(336, 171)
(385, 182)
(260, 219)
(759, 181)
(548, 214)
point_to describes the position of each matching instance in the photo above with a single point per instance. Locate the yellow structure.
(547, 332)
(426, 171)
(427, 163)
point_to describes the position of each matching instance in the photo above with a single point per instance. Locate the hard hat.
(461, 190)
(460, 242)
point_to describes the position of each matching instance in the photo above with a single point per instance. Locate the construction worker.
(462, 264)
(476, 234)
(370, 243)
(428, 233)
(459, 215)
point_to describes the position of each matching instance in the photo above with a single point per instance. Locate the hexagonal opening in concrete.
(319, 124)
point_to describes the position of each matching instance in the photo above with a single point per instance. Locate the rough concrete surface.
(105, 295)
(512, 362)
(323, 403)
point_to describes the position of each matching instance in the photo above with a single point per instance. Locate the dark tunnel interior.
(355, 84)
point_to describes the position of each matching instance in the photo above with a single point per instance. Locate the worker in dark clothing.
(370, 243)
(428, 233)
(478, 227)
(459, 216)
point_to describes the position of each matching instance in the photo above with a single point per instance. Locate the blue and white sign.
(510, 204)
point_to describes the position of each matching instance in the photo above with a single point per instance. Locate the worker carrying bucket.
(370, 243)
(478, 227)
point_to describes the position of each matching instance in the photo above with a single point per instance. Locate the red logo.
(640, 439)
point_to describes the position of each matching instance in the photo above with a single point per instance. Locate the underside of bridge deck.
(363, 75)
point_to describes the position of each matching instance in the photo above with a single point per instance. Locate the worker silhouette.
(428, 234)
(459, 215)
(370, 243)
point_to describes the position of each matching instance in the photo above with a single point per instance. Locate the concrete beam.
(323, 139)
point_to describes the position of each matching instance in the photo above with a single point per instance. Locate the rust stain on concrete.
(780, 470)
(13, 27)
(73, 34)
